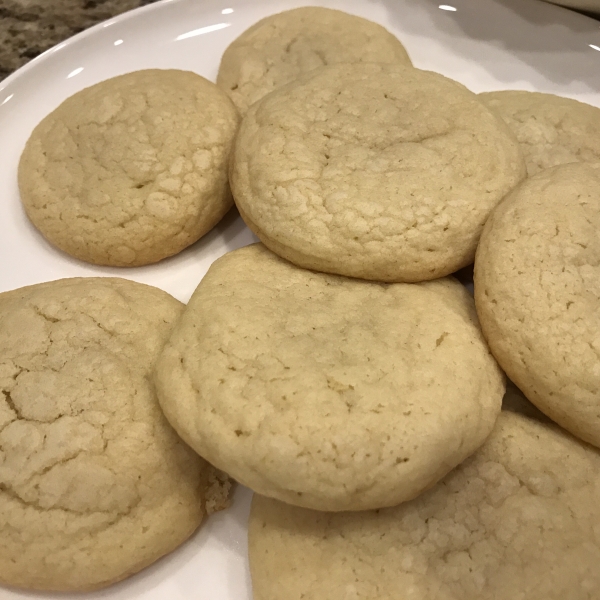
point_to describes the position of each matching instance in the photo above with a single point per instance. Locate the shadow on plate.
(552, 40)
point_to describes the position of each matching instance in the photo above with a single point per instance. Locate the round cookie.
(380, 172)
(131, 170)
(517, 520)
(551, 130)
(281, 47)
(326, 392)
(537, 291)
(94, 483)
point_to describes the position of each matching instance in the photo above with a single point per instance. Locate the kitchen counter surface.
(28, 27)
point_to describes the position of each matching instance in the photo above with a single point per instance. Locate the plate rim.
(160, 4)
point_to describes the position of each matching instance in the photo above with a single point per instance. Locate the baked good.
(376, 171)
(518, 519)
(131, 170)
(552, 130)
(281, 47)
(328, 392)
(94, 483)
(537, 292)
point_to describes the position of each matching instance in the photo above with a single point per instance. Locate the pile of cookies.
(337, 368)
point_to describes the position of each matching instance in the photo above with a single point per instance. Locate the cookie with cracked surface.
(381, 172)
(518, 519)
(537, 292)
(551, 130)
(281, 47)
(94, 483)
(131, 170)
(327, 392)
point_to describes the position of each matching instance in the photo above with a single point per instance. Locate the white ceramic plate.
(485, 44)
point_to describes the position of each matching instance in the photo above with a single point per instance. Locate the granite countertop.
(28, 27)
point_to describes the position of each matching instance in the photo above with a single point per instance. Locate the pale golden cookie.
(131, 170)
(551, 130)
(94, 483)
(537, 291)
(519, 520)
(281, 47)
(328, 392)
(380, 172)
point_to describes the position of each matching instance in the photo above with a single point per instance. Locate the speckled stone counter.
(28, 27)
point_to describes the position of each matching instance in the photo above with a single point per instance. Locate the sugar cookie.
(94, 483)
(281, 47)
(381, 172)
(328, 392)
(551, 130)
(519, 519)
(131, 170)
(537, 291)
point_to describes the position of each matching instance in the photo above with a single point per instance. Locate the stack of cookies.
(337, 368)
